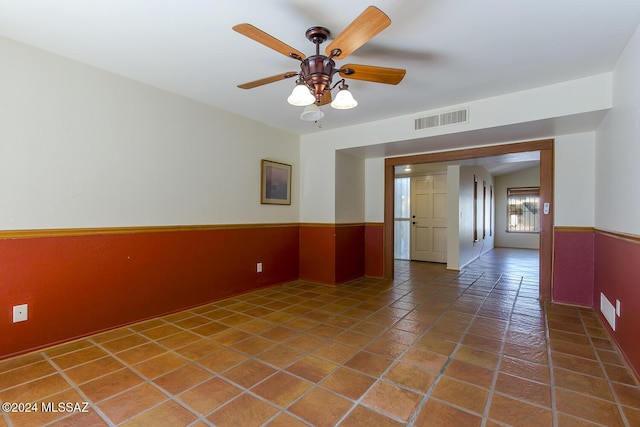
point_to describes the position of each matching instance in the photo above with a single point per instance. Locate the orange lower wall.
(336, 253)
(350, 248)
(617, 275)
(374, 250)
(318, 253)
(78, 285)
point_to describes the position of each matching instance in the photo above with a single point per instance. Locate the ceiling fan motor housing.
(317, 72)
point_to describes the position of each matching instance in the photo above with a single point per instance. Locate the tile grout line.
(600, 364)
(277, 369)
(75, 387)
(145, 379)
(552, 381)
(355, 402)
(317, 385)
(5, 417)
(440, 374)
(606, 373)
(496, 374)
(450, 357)
(377, 379)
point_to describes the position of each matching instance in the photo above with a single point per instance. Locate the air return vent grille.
(443, 119)
(608, 311)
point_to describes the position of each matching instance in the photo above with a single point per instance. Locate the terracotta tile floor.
(435, 347)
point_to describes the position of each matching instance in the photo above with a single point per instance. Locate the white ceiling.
(453, 51)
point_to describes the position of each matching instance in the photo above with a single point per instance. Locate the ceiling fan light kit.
(312, 113)
(315, 78)
(344, 99)
(300, 96)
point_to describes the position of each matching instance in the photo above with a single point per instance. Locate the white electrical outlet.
(259, 267)
(20, 313)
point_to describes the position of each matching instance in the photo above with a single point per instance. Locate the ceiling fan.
(315, 77)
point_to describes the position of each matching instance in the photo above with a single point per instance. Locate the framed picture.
(275, 184)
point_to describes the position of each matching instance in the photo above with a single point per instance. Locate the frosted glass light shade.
(311, 113)
(301, 96)
(344, 100)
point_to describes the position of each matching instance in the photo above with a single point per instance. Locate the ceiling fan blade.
(326, 99)
(267, 40)
(361, 30)
(391, 76)
(266, 80)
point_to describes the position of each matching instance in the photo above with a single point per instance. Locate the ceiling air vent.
(442, 119)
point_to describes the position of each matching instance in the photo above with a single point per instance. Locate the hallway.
(432, 348)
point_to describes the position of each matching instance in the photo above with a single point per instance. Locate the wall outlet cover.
(20, 313)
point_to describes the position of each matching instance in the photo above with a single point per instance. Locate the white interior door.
(429, 218)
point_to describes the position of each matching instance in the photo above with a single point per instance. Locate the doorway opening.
(544, 147)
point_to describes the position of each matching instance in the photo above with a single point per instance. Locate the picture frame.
(275, 183)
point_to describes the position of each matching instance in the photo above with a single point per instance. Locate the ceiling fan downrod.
(317, 71)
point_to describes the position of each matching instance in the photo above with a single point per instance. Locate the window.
(523, 210)
(402, 221)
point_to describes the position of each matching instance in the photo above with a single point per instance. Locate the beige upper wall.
(350, 188)
(80, 147)
(575, 180)
(618, 149)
